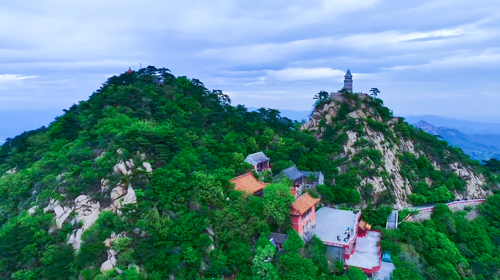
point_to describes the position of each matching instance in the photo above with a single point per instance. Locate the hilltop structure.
(347, 85)
(348, 81)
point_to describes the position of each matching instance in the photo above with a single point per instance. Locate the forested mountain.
(134, 184)
(469, 127)
(389, 161)
(478, 146)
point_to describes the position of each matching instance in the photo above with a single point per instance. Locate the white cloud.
(453, 62)
(304, 74)
(14, 77)
(265, 53)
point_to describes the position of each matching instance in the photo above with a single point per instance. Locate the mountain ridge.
(472, 144)
(365, 128)
(466, 126)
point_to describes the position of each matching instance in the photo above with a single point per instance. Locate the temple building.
(278, 239)
(347, 85)
(259, 161)
(349, 239)
(301, 179)
(248, 184)
(303, 215)
(294, 175)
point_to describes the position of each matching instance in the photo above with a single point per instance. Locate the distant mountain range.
(464, 126)
(478, 146)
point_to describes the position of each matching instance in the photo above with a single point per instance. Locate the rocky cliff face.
(364, 128)
(85, 210)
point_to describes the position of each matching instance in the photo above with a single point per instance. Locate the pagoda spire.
(348, 81)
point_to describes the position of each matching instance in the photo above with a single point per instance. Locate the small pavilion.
(259, 161)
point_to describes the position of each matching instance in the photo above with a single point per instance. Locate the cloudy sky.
(438, 57)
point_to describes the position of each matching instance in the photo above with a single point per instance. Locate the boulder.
(121, 168)
(12, 171)
(104, 185)
(32, 210)
(121, 195)
(147, 166)
(110, 263)
(87, 211)
(130, 163)
(75, 239)
(61, 213)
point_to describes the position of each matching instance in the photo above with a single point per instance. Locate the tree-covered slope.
(134, 183)
(147, 161)
(450, 245)
(389, 161)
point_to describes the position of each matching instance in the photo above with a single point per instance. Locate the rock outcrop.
(87, 210)
(474, 182)
(393, 181)
(122, 195)
(61, 212)
(110, 263)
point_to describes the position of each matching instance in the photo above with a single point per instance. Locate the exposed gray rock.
(87, 212)
(400, 186)
(110, 263)
(122, 195)
(12, 171)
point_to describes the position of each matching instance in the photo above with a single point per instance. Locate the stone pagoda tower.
(348, 81)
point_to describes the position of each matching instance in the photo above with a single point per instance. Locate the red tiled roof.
(248, 183)
(364, 225)
(303, 204)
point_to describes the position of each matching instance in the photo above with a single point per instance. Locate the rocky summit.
(395, 162)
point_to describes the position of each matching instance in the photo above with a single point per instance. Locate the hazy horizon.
(27, 120)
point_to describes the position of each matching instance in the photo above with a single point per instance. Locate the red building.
(349, 239)
(304, 215)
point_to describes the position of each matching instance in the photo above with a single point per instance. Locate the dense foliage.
(426, 165)
(449, 245)
(188, 221)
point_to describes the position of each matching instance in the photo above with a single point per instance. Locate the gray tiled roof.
(292, 173)
(278, 238)
(308, 173)
(348, 73)
(256, 158)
